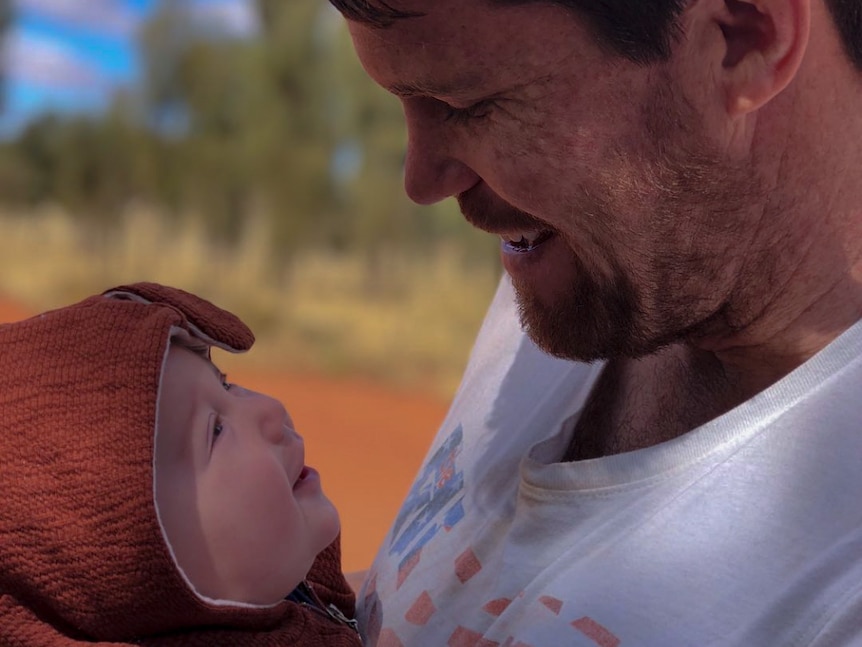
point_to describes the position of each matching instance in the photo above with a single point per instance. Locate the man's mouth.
(523, 242)
(520, 232)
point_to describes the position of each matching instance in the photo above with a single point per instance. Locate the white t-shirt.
(746, 531)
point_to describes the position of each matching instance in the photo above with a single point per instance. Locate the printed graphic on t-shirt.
(435, 502)
(544, 621)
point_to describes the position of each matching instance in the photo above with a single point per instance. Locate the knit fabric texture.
(82, 555)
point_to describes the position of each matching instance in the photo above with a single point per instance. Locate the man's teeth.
(525, 238)
(525, 241)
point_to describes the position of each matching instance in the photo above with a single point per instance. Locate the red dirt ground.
(366, 440)
(11, 311)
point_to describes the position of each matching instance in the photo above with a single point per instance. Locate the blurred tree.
(283, 125)
(189, 97)
(37, 149)
(163, 42)
(6, 15)
(246, 117)
(295, 141)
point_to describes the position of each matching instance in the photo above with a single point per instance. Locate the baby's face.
(243, 514)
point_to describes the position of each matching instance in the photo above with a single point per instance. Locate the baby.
(147, 500)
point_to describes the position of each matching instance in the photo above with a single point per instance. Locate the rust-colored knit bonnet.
(82, 554)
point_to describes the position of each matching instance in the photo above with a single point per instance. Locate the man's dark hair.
(848, 17)
(641, 30)
(371, 12)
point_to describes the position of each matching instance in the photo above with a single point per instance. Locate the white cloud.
(103, 16)
(48, 63)
(232, 17)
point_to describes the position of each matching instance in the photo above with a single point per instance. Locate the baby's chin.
(330, 525)
(326, 532)
(267, 581)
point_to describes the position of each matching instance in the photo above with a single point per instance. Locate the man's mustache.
(487, 211)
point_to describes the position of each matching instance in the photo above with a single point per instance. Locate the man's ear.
(765, 42)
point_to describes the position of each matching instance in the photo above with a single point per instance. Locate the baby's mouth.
(302, 475)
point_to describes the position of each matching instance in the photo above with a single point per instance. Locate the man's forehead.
(427, 21)
(429, 56)
(467, 31)
(411, 63)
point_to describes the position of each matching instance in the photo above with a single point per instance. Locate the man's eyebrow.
(427, 89)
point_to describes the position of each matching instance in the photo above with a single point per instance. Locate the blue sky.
(71, 55)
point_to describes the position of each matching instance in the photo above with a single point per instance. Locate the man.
(676, 186)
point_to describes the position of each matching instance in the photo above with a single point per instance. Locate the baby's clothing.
(83, 556)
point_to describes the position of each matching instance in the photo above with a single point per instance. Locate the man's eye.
(476, 111)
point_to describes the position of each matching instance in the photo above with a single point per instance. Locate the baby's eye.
(218, 428)
(215, 429)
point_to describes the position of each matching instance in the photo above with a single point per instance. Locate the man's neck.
(640, 403)
(812, 311)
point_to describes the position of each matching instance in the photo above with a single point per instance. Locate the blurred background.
(236, 149)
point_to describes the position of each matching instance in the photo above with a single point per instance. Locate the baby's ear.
(213, 325)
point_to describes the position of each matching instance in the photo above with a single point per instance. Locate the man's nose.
(431, 171)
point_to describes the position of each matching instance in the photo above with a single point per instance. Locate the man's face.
(622, 223)
(242, 513)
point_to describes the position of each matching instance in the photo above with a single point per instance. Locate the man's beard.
(606, 312)
(594, 319)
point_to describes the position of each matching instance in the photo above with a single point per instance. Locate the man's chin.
(548, 336)
(586, 325)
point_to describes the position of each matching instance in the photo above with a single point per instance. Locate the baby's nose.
(285, 436)
(272, 419)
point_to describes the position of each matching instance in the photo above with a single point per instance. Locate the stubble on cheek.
(652, 229)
